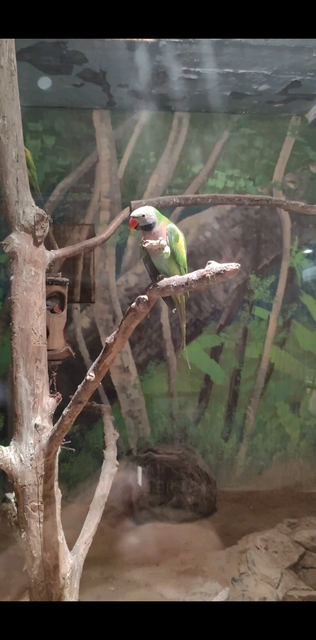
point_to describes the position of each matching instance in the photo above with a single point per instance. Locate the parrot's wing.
(154, 274)
(178, 247)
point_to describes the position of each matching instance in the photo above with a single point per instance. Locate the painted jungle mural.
(248, 403)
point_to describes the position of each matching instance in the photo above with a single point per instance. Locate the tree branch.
(277, 303)
(73, 177)
(19, 204)
(205, 171)
(92, 243)
(108, 471)
(164, 202)
(213, 273)
(143, 118)
(7, 461)
(228, 199)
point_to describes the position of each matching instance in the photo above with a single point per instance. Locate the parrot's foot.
(155, 245)
(160, 277)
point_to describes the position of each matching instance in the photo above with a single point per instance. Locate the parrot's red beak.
(132, 223)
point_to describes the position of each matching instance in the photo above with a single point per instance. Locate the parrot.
(32, 174)
(164, 253)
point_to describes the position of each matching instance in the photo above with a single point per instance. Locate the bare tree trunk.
(33, 408)
(277, 304)
(107, 309)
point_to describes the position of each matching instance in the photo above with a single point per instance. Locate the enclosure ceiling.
(238, 76)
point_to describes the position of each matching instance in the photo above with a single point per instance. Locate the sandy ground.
(162, 561)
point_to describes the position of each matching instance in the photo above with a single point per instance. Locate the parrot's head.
(143, 219)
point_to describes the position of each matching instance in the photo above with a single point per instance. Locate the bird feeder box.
(56, 316)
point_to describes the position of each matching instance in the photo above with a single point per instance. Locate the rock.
(264, 567)
(308, 561)
(206, 592)
(306, 538)
(288, 581)
(179, 481)
(308, 576)
(282, 550)
(306, 569)
(304, 593)
(222, 596)
(250, 587)
(309, 522)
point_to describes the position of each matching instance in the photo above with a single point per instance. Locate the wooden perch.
(166, 202)
(223, 198)
(213, 273)
(92, 243)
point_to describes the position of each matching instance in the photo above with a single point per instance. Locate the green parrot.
(164, 253)
(32, 173)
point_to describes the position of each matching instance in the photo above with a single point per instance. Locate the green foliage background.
(59, 140)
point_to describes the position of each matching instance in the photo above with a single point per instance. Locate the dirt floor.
(159, 560)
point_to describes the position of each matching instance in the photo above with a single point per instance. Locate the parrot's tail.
(180, 304)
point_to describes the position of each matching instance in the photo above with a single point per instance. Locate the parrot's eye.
(143, 215)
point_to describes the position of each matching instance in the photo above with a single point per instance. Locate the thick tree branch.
(205, 171)
(164, 202)
(19, 204)
(73, 177)
(213, 273)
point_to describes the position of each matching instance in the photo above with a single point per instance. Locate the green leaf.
(259, 143)
(35, 126)
(207, 342)
(49, 140)
(251, 188)
(204, 363)
(34, 145)
(261, 313)
(310, 303)
(289, 365)
(305, 338)
(290, 422)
